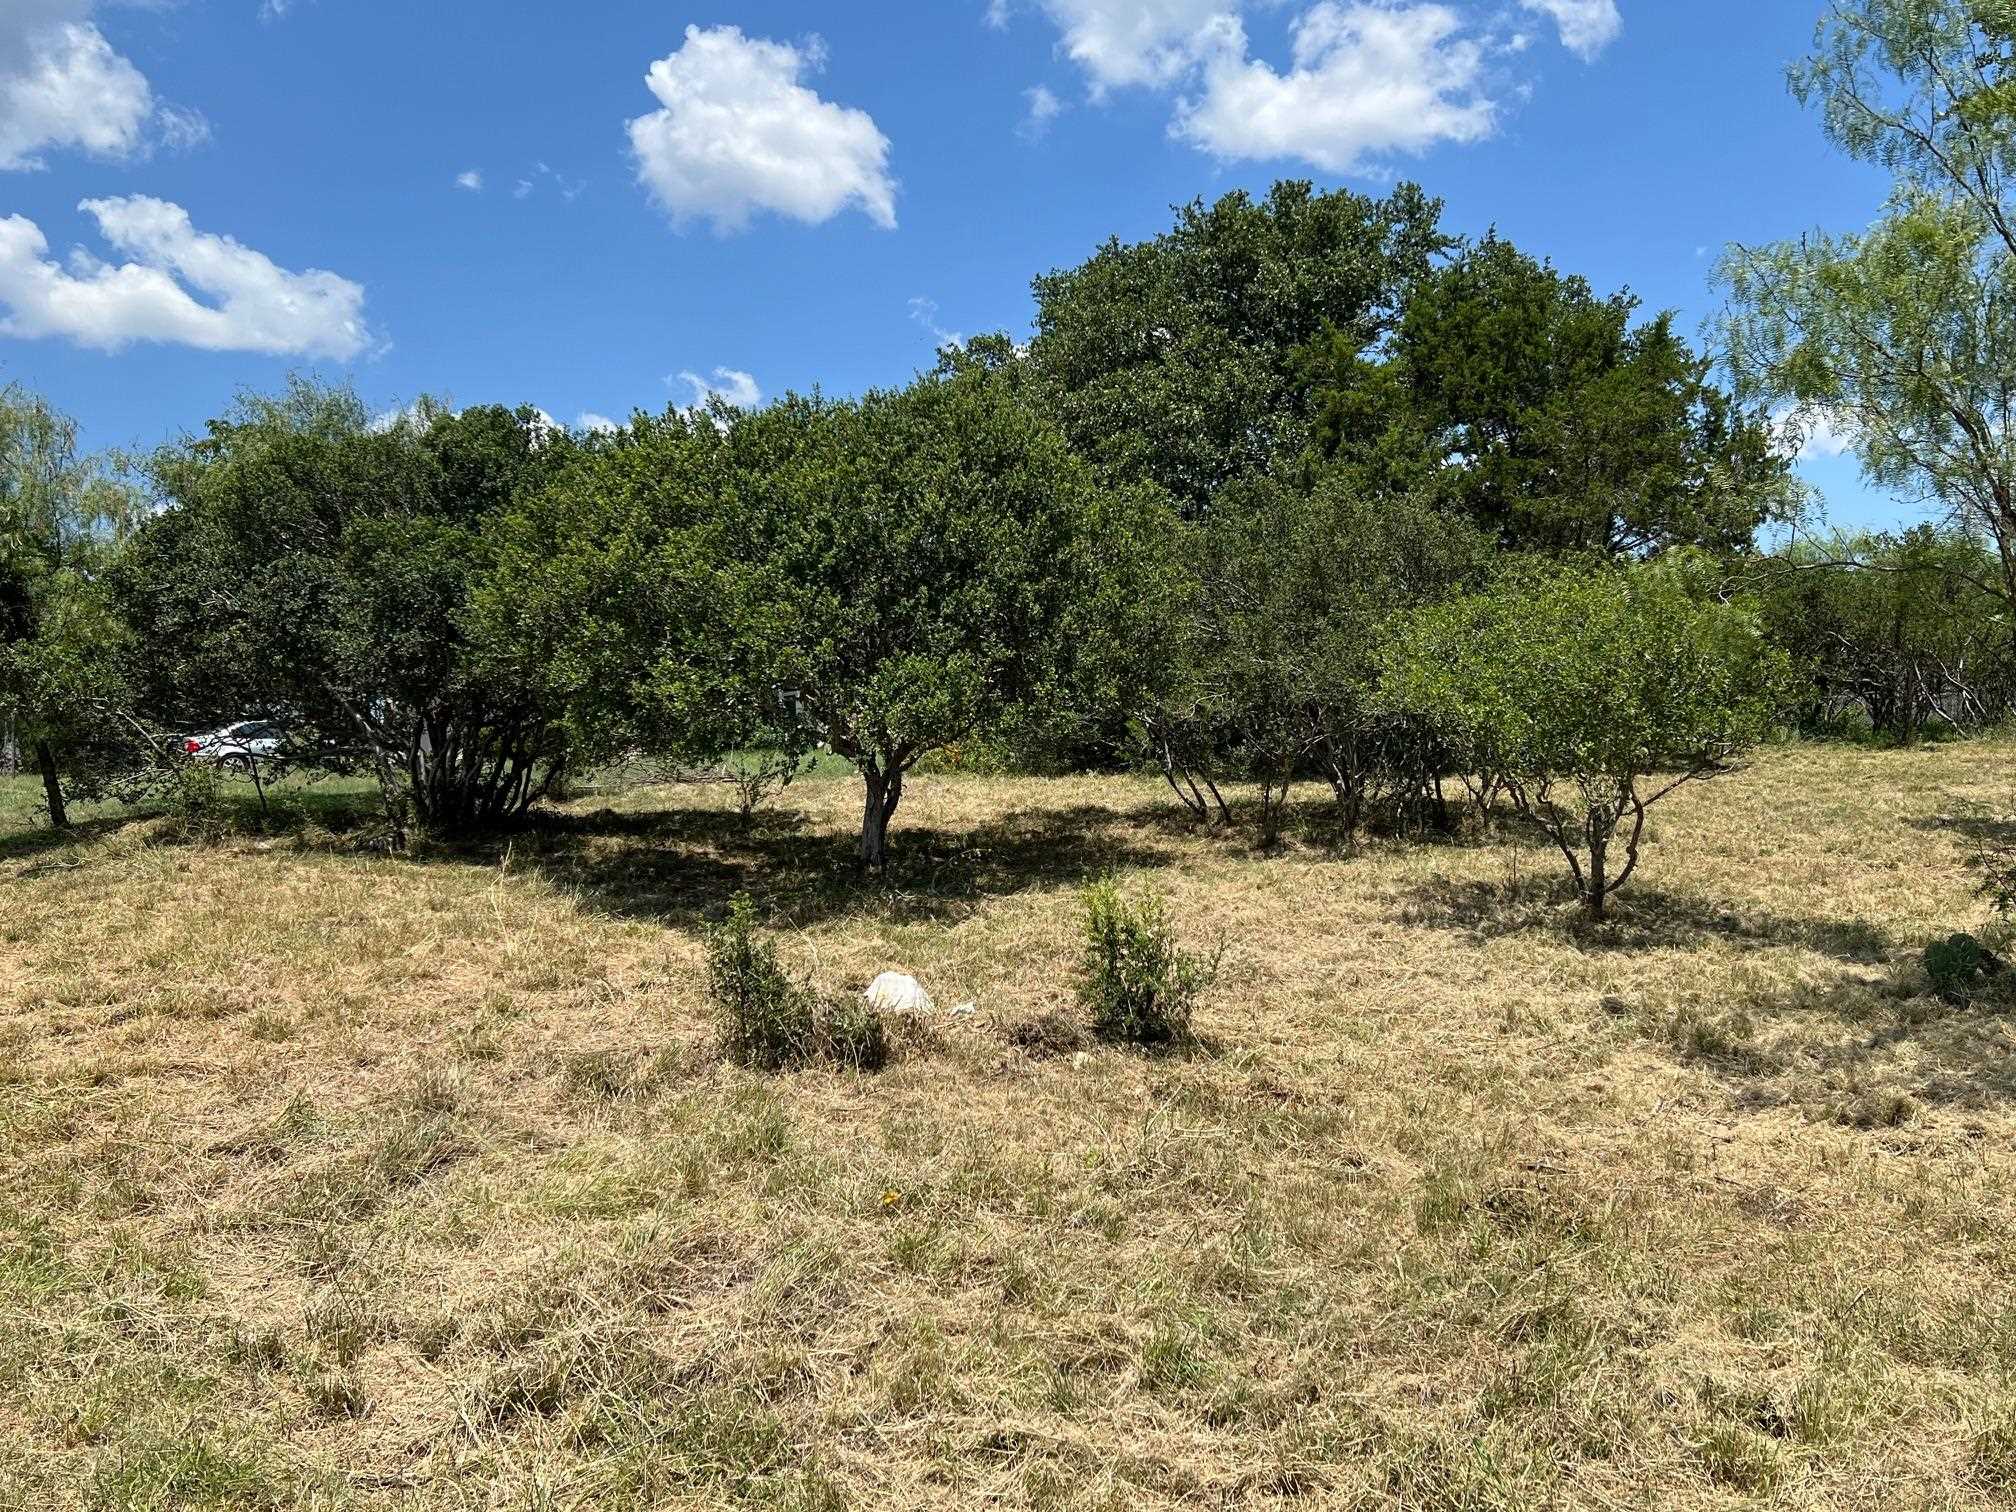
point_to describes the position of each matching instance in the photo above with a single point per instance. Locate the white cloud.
(925, 312)
(570, 189)
(1044, 107)
(472, 181)
(253, 305)
(1587, 26)
(1366, 79)
(1126, 42)
(588, 420)
(731, 384)
(62, 86)
(1813, 435)
(737, 134)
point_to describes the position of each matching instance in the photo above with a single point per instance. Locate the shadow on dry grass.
(679, 867)
(47, 842)
(1643, 918)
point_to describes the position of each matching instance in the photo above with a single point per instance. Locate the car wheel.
(237, 766)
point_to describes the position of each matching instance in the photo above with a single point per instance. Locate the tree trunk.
(884, 792)
(1596, 888)
(52, 785)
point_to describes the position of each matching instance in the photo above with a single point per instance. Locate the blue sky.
(202, 195)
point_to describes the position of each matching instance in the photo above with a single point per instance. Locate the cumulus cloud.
(588, 420)
(731, 384)
(737, 133)
(1587, 26)
(472, 180)
(1127, 42)
(1044, 107)
(64, 87)
(1365, 79)
(248, 303)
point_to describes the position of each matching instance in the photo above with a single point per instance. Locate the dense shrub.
(1895, 635)
(1139, 987)
(1590, 697)
(1959, 966)
(850, 1034)
(771, 1023)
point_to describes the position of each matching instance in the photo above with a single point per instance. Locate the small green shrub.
(771, 1023)
(1959, 966)
(759, 776)
(768, 1021)
(1139, 987)
(194, 800)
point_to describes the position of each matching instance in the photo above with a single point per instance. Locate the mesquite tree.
(1898, 337)
(1591, 697)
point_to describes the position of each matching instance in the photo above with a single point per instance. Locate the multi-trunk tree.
(883, 577)
(317, 568)
(1590, 697)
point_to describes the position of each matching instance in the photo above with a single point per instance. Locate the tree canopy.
(1176, 360)
(1542, 413)
(1591, 696)
(317, 569)
(1899, 337)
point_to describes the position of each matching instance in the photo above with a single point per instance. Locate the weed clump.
(852, 1036)
(1959, 966)
(1138, 987)
(771, 1023)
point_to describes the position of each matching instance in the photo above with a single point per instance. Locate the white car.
(238, 747)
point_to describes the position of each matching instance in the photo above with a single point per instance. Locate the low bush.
(767, 1020)
(850, 1034)
(771, 1023)
(1138, 986)
(194, 800)
(1959, 966)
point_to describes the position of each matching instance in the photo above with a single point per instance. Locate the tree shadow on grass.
(1864, 1051)
(1977, 826)
(48, 843)
(1642, 918)
(679, 867)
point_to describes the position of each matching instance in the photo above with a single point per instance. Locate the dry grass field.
(329, 1181)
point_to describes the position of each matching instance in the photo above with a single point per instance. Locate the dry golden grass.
(329, 1181)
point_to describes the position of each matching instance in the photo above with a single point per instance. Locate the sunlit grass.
(331, 1180)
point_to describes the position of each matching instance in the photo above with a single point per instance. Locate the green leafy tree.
(1592, 697)
(1545, 415)
(1176, 360)
(61, 514)
(1910, 628)
(885, 577)
(1899, 336)
(1288, 598)
(603, 579)
(899, 574)
(316, 568)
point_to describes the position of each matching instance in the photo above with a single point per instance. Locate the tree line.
(1303, 494)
